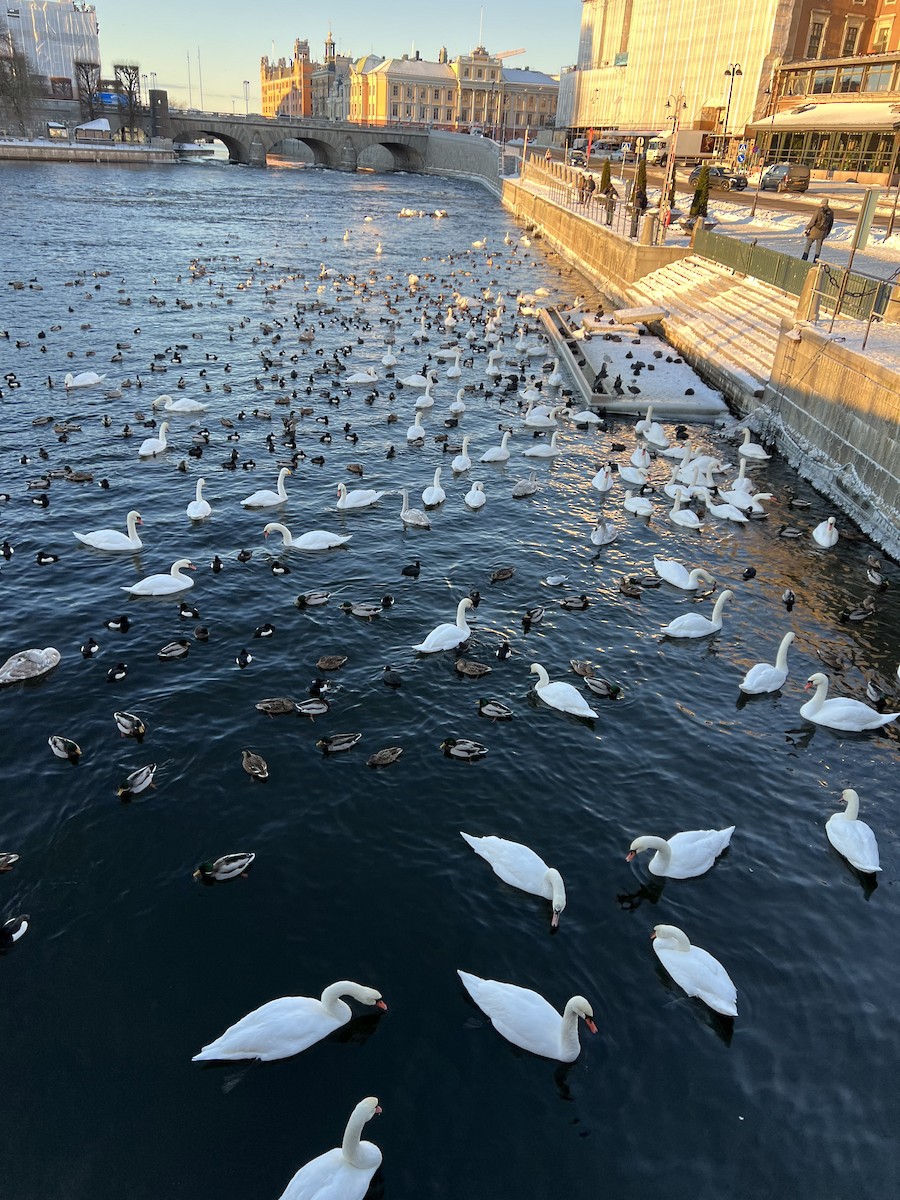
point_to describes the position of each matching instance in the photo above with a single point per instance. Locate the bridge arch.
(322, 153)
(238, 151)
(386, 154)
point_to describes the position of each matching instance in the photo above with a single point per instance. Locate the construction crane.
(509, 53)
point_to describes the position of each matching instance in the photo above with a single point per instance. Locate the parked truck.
(692, 146)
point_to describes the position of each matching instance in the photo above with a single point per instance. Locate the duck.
(117, 673)
(199, 509)
(13, 929)
(470, 669)
(464, 749)
(337, 743)
(520, 867)
(694, 625)
(83, 379)
(229, 866)
(315, 539)
(385, 757)
(64, 747)
(752, 450)
(254, 764)
(673, 572)
(312, 599)
(475, 497)
(365, 612)
(684, 855)
(266, 498)
(496, 454)
(695, 970)
(852, 838)
(174, 650)
(152, 446)
(494, 710)
(462, 462)
(448, 636)
(413, 517)
(527, 1020)
(358, 498)
(826, 534)
(684, 516)
(345, 1172)
(434, 495)
(164, 584)
(112, 540)
(8, 861)
(129, 725)
(543, 449)
(562, 696)
(841, 712)
(286, 1026)
(138, 781)
(575, 603)
(764, 677)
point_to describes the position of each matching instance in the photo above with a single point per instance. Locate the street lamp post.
(146, 89)
(731, 70)
(246, 97)
(679, 104)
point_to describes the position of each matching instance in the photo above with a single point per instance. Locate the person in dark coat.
(818, 229)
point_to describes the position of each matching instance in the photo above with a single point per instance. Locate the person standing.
(589, 188)
(817, 230)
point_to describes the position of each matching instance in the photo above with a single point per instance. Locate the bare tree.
(87, 79)
(20, 87)
(128, 84)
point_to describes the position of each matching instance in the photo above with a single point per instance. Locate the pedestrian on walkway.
(548, 155)
(580, 185)
(590, 187)
(817, 230)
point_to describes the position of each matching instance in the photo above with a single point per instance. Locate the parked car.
(721, 178)
(577, 158)
(785, 177)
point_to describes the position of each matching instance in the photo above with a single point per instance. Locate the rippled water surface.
(129, 966)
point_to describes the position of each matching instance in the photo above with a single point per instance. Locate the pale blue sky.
(232, 36)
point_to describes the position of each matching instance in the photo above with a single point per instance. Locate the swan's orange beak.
(378, 1109)
(807, 686)
(191, 567)
(590, 1024)
(630, 855)
(381, 1004)
(554, 920)
(265, 533)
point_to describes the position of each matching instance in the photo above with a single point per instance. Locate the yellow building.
(286, 85)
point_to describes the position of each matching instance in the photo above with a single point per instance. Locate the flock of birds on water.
(489, 338)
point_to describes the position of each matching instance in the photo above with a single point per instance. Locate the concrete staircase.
(725, 324)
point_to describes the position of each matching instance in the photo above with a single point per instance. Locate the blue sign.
(741, 158)
(742, 147)
(626, 146)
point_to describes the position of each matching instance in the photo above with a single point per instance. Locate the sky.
(225, 39)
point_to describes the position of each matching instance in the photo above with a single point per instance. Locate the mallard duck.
(229, 866)
(501, 574)
(470, 668)
(276, 706)
(64, 747)
(494, 710)
(315, 706)
(789, 531)
(582, 667)
(7, 862)
(338, 742)
(365, 612)
(331, 662)
(138, 781)
(575, 603)
(463, 748)
(129, 725)
(859, 614)
(604, 688)
(628, 587)
(172, 650)
(384, 758)
(533, 616)
(254, 764)
(312, 599)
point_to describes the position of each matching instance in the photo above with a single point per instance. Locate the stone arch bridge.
(332, 144)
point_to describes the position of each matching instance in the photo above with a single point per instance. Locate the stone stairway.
(717, 315)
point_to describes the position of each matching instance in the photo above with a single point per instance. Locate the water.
(129, 967)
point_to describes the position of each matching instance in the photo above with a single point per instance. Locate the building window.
(435, 114)
(879, 78)
(823, 81)
(850, 79)
(880, 40)
(464, 114)
(448, 114)
(814, 38)
(395, 90)
(466, 73)
(395, 110)
(437, 94)
(851, 34)
(479, 74)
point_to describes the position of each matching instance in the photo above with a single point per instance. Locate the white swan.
(455, 371)
(164, 584)
(851, 837)
(389, 359)
(841, 712)
(671, 570)
(179, 406)
(722, 512)
(266, 498)
(695, 970)
(366, 375)
(29, 664)
(475, 497)
(640, 458)
(561, 696)
(527, 1020)
(419, 381)
(633, 476)
(198, 507)
(286, 1026)
(426, 400)
(458, 407)
(414, 517)
(685, 855)
(741, 483)
(520, 867)
(603, 480)
(639, 505)
(434, 495)
(112, 539)
(693, 625)
(497, 453)
(416, 431)
(541, 418)
(745, 501)
(345, 1172)
(763, 677)
(152, 446)
(83, 379)
(462, 462)
(825, 534)
(555, 378)
(492, 369)
(684, 516)
(447, 636)
(358, 498)
(752, 450)
(316, 539)
(543, 449)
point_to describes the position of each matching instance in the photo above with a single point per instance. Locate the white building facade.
(53, 35)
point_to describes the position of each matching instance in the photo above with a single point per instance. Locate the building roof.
(875, 116)
(415, 68)
(363, 65)
(531, 78)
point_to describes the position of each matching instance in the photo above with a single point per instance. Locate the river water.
(129, 967)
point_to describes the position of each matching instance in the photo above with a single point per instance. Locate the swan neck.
(350, 1147)
(199, 492)
(661, 846)
(558, 889)
(331, 997)
(568, 1032)
(852, 800)
(720, 604)
(781, 659)
(543, 677)
(461, 614)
